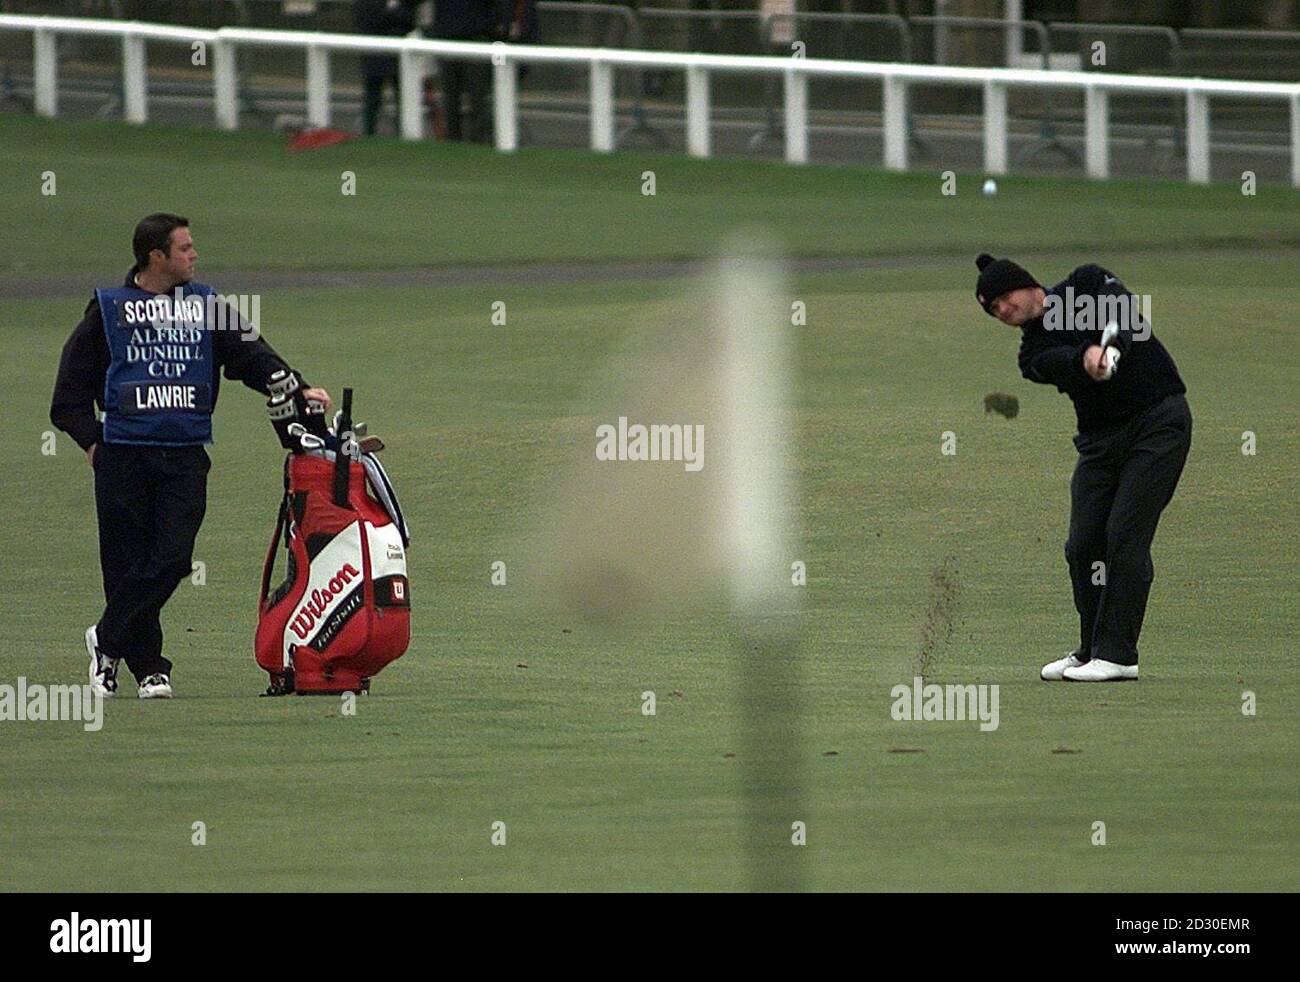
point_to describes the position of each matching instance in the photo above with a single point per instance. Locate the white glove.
(1112, 362)
(1110, 352)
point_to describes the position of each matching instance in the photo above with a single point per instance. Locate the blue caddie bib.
(162, 368)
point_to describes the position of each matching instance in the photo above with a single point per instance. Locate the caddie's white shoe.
(103, 670)
(156, 686)
(1052, 671)
(1100, 670)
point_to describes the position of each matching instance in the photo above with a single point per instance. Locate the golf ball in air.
(990, 186)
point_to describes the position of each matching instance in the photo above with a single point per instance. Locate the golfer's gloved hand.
(1095, 361)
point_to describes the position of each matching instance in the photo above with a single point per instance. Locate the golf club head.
(282, 383)
(358, 429)
(283, 412)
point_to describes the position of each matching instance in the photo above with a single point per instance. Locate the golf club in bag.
(343, 610)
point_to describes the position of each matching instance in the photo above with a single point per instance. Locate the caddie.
(149, 354)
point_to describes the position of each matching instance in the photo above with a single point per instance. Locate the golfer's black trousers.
(150, 502)
(1124, 479)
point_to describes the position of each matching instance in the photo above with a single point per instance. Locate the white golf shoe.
(103, 670)
(1053, 670)
(156, 686)
(1100, 670)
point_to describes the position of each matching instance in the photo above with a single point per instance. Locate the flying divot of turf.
(1000, 402)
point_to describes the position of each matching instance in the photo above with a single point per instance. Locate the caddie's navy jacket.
(79, 387)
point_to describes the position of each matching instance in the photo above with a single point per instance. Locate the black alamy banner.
(238, 931)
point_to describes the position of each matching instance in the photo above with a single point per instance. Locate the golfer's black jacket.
(84, 366)
(1052, 353)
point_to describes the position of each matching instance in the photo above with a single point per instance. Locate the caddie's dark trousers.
(1124, 479)
(150, 502)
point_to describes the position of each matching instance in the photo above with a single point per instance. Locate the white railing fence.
(219, 49)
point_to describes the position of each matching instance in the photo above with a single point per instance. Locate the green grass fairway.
(457, 735)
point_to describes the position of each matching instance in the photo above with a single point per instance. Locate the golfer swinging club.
(148, 353)
(1135, 430)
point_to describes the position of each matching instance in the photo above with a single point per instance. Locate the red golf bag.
(343, 611)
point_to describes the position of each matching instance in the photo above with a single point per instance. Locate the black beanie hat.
(999, 276)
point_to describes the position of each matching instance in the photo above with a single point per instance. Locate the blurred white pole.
(697, 112)
(754, 445)
(1198, 137)
(505, 110)
(1097, 132)
(45, 72)
(796, 117)
(225, 84)
(410, 67)
(318, 86)
(602, 107)
(755, 452)
(995, 128)
(895, 123)
(133, 79)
